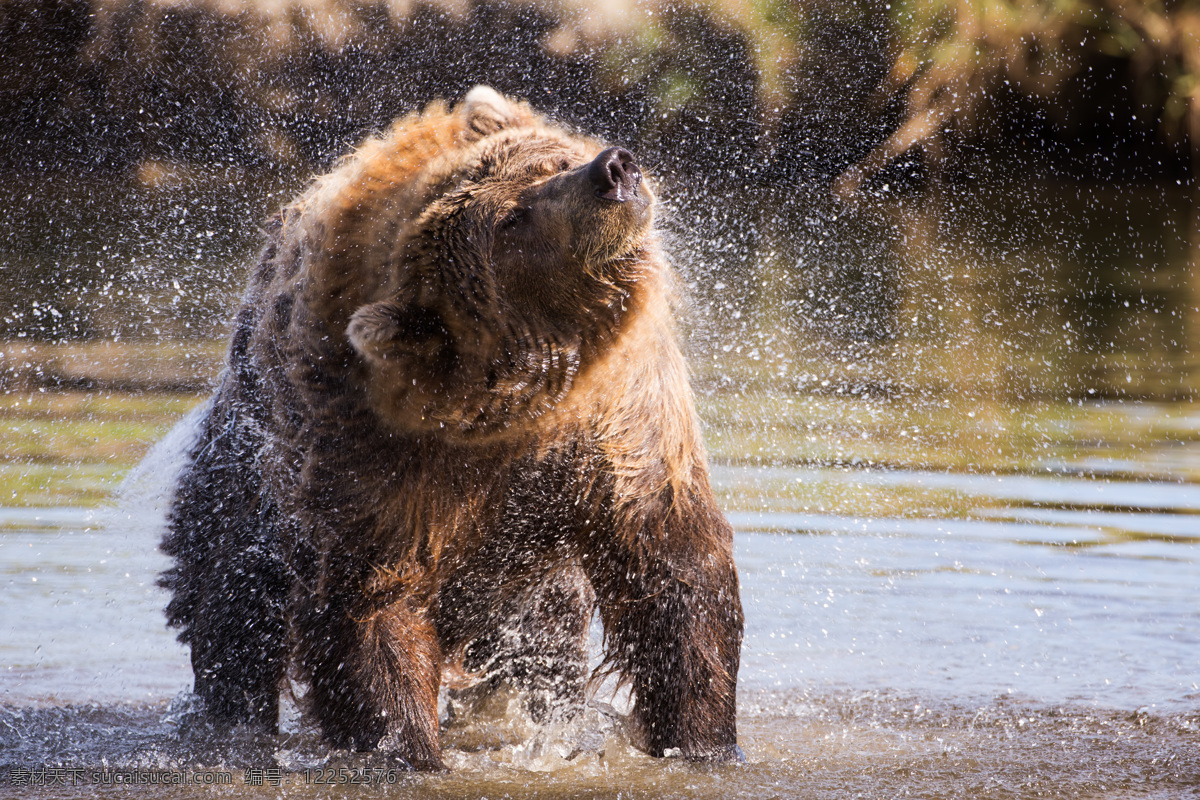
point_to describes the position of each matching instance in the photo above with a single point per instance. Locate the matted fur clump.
(455, 422)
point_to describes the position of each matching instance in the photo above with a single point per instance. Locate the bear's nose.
(615, 174)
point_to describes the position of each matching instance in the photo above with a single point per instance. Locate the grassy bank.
(72, 446)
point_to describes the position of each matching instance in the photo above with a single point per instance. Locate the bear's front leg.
(374, 678)
(672, 619)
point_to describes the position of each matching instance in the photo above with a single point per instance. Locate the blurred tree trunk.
(1193, 326)
(922, 317)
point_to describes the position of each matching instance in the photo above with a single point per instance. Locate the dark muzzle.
(615, 174)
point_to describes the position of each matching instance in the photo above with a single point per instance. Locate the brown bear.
(455, 422)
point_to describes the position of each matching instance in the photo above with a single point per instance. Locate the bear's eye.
(515, 216)
(554, 166)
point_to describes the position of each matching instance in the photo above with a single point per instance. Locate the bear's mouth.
(615, 175)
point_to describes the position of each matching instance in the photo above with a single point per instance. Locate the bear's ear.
(488, 111)
(392, 330)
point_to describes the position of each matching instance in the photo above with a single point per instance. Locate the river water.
(1024, 636)
(1020, 619)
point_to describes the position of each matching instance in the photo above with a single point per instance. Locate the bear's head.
(517, 272)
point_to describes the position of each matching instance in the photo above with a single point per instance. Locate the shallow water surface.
(1002, 636)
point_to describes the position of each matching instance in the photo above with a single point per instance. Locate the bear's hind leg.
(228, 589)
(238, 666)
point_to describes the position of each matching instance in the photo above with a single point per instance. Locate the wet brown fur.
(455, 409)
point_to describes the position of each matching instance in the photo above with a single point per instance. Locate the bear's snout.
(615, 174)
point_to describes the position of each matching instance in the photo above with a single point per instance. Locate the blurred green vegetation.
(293, 81)
(950, 58)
